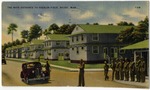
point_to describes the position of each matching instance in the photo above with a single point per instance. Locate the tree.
(17, 42)
(125, 36)
(123, 23)
(95, 24)
(12, 27)
(23, 41)
(25, 34)
(9, 44)
(35, 32)
(133, 35)
(87, 23)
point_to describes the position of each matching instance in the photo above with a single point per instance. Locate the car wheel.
(27, 80)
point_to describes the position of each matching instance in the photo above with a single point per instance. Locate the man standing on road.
(47, 67)
(81, 74)
(106, 68)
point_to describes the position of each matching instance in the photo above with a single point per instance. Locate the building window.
(67, 43)
(77, 38)
(95, 49)
(82, 48)
(114, 52)
(72, 39)
(77, 50)
(95, 37)
(105, 51)
(82, 38)
(72, 48)
(58, 43)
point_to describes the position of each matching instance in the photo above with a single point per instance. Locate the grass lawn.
(67, 63)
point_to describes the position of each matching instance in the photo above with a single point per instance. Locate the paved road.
(11, 77)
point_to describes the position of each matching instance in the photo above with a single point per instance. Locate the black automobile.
(32, 71)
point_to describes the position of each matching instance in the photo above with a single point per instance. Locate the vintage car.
(3, 59)
(32, 71)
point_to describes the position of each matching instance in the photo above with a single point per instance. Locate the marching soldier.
(126, 69)
(81, 74)
(142, 70)
(113, 66)
(138, 61)
(132, 69)
(106, 68)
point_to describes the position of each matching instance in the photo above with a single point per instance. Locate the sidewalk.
(59, 67)
(140, 84)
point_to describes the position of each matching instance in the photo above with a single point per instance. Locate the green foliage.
(12, 27)
(35, 32)
(95, 24)
(24, 34)
(133, 35)
(64, 29)
(17, 42)
(123, 23)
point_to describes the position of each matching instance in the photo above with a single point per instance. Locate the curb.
(60, 67)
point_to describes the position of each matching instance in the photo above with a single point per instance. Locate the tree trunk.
(12, 36)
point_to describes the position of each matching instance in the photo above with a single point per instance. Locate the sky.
(26, 14)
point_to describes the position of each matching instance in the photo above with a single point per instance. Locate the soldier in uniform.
(126, 69)
(138, 61)
(121, 71)
(106, 68)
(132, 69)
(81, 73)
(113, 66)
(117, 69)
(142, 70)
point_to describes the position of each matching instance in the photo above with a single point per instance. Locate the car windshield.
(30, 65)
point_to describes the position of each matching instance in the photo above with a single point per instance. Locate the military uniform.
(142, 70)
(113, 66)
(106, 68)
(121, 71)
(138, 69)
(126, 70)
(132, 70)
(117, 70)
(81, 74)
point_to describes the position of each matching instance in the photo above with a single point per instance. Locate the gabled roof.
(9, 48)
(103, 28)
(26, 44)
(140, 45)
(57, 37)
(36, 42)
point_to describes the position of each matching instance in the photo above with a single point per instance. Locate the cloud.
(81, 15)
(134, 13)
(45, 17)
